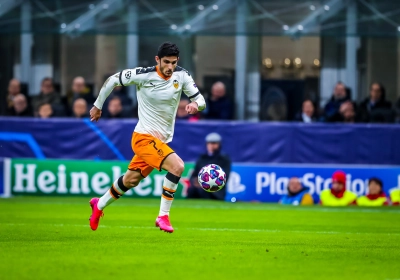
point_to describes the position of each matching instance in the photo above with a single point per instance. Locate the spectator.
(307, 114)
(395, 196)
(339, 96)
(376, 196)
(297, 194)
(80, 90)
(120, 92)
(374, 103)
(347, 112)
(337, 195)
(79, 108)
(115, 110)
(215, 156)
(126, 102)
(14, 88)
(181, 113)
(20, 106)
(47, 95)
(45, 111)
(219, 107)
(375, 107)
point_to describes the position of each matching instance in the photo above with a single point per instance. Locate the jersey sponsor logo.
(128, 75)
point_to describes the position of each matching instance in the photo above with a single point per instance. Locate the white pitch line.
(210, 229)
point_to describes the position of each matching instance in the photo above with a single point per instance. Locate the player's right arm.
(124, 78)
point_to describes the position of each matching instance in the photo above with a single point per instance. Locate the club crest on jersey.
(176, 84)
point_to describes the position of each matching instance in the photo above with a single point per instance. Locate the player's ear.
(157, 59)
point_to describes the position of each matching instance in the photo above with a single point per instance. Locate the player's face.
(374, 188)
(336, 186)
(167, 64)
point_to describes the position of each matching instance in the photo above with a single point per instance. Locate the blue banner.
(242, 141)
(268, 183)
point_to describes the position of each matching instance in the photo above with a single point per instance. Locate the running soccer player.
(159, 90)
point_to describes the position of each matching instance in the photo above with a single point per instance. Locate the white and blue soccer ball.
(212, 178)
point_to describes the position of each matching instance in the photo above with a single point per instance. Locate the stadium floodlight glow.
(174, 27)
(77, 26)
(300, 27)
(92, 6)
(187, 26)
(215, 7)
(63, 25)
(326, 7)
(285, 27)
(312, 8)
(200, 7)
(105, 6)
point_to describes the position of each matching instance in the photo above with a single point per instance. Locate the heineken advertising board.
(71, 177)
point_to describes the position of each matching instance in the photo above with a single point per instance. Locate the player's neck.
(161, 74)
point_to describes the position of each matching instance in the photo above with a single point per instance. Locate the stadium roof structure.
(374, 18)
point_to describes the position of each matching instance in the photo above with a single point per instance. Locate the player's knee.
(179, 167)
(131, 182)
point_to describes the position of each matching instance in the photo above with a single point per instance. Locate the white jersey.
(158, 97)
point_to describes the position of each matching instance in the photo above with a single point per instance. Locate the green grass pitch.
(50, 238)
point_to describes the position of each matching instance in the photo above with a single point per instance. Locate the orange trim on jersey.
(162, 75)
(167, 198)
(112, 194)
(170, 190)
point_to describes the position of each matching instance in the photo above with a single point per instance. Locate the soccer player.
(159, 90)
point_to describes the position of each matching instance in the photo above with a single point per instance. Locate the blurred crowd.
(80, 97)
(339, 195)
(340, 108)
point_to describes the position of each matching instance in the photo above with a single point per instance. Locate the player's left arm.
(198, 103)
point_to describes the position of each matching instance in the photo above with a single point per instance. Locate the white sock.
(169, 188)
(115, 192)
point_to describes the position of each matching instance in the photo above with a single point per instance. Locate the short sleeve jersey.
(158, 98)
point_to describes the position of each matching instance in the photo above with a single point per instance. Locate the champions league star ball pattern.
(212, 178)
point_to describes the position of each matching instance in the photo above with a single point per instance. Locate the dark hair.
(308, 99)
(47, 79)
(381, 88)
(168, 49)
(116, 98)
(376, 180)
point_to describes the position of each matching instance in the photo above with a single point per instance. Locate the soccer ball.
(212, 178)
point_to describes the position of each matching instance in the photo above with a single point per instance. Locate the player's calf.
(114, 193)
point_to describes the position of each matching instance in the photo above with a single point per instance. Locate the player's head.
(167, 58)
(213, 141)
(375, 186)
(338, 181)
(294, 185)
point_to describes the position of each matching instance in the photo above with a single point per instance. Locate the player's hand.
(95, 114)
(192, 108)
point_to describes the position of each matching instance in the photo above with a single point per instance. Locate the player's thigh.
(173, 164)
(152, 151)
(132, 178)
(139, 164)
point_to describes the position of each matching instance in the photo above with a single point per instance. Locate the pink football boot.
(164, 224)
(96, 214)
